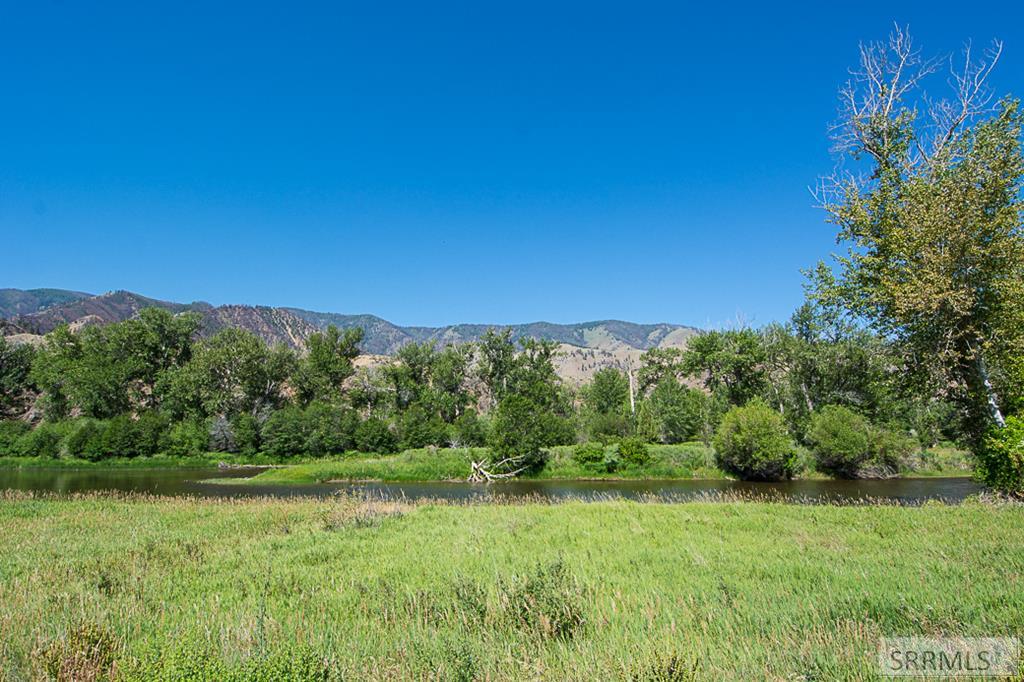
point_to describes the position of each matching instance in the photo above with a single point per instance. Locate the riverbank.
(610, 590)
(685, 461)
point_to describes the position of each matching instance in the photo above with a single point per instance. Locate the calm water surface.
(195, 481)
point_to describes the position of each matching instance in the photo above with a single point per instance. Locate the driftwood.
(480, 474)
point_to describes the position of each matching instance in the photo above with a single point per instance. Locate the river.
(196, 481)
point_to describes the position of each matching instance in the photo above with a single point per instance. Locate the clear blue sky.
(436, 163)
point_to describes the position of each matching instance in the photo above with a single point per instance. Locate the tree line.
(151, 385)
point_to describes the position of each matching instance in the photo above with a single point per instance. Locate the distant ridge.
(587, 346)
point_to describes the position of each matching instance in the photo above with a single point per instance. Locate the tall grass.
(157, 588)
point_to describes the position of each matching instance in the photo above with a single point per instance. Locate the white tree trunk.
(990, 394)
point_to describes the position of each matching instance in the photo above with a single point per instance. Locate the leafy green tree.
(16, 389)
(657, 365)
(246, 431)
(408, 376)
(321, 374)
(450, 392)
(678, 410)
(285, 433)
(520, 435)
(331, 429)
(419, 427)
(374, 435)
(497, 362)
(931, 218)
(103, 371)
(187, 438)
(85, 440)
(232, 373)
(730, 361)
(1001, 459)
(470, 430)
(608, 392)
(11, 430)
(82, 371)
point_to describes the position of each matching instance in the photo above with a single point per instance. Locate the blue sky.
(436, 163)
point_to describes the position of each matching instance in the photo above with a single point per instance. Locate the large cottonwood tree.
(928, 206)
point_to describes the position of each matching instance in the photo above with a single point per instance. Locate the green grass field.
(273, 589)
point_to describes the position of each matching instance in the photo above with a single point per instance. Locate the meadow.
(161, 588)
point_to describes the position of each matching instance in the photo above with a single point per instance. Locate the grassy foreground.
(158, 588)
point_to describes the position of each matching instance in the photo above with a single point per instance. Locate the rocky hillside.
(586, 346)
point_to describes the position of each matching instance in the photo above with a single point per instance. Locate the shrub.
(285, 433)
(609, 427)
(840, 440)
(85, 440)
(374, 435)
(890, 449)
(10, 432)
(752, 443)
(420, 428)
(469, 430)
(246, 430)
(330, 429)
(634, 452)
(149, 432)
(1001, 458)
(589, 454)
(187, 439)
(43, 441)
(612, 460)
(119, 438)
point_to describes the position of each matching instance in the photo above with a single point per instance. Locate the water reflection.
(195, 481)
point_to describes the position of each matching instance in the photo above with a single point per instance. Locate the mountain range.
(586, 346)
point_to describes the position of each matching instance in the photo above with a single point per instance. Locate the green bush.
(634, 452)
(469, 430)
(374, 435)
(85, 440)
(187, 439)
(609, 427)
(1001, 458)
(246, 430)
(840, 440)
(589, 454)
(420, 428)
(11, 432)
(752, 442)
(120, 438)
(43, 441)
(330, 429)
(891, 449)
(149, 432)
(285, 433)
